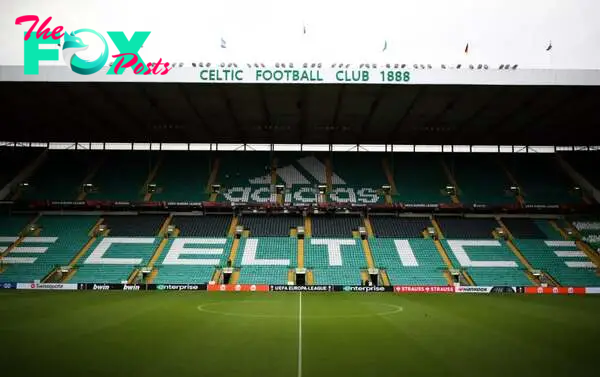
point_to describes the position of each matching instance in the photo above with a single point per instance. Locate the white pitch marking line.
(300, 335)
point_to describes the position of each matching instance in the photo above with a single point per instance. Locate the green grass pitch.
(258, 334)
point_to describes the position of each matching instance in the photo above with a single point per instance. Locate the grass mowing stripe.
(300, 335)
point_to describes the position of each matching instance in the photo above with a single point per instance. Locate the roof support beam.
(265, 108)
(205, 127)
(392, 135)
(234, 119)
(302, 105)
(372, 110)
(122, 108)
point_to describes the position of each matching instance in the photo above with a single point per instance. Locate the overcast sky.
(416, 31)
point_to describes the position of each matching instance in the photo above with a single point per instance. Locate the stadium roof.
(300, 113)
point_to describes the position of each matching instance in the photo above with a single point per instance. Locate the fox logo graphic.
(74, 44)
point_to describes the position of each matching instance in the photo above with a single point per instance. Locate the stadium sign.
(128, 57)
(178, 287)
(313, 75)
(8, 286)
(556, 290)
(301, 288)
(496, 289)
(46, 286)
(423, 289)
(238, 288)
(360, 288)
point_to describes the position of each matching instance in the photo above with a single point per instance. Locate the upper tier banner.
(326, 75)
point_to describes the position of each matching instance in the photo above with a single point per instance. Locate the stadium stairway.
(159, 249)
(234, 249)
(467, 277)
(232, 226)
(511, 245)
(83, 251)
(438, 229)
(307, 226)
(443, 253)
(300, 253)
(235, 276)
(385, 279)
(452, 181)
(328, 173)
(369, 227)
(513, 181)
(529, 272)
(581, 245)
(368, 254)
(388, 173)
(310, 278)
(90, 177)
(151, 177)
(20, 238)
(212, 178)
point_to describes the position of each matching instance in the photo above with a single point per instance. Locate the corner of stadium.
(223, 216)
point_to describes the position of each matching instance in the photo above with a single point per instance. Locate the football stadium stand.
(562, 260)
(419, 178)
(400, 227)
(335, 260)
(247, 180)
(195, 246)
(54, 241)
(182, 177)
(357, 174)
(266, 260)
(133, 171)
(586, 164)
(61, 175)
(467, 228)
(589, 228)
(479, 179)
(541, 179)
(409, 261)
(270, 225)
(202, 226)
(335, 227)
(488, 262)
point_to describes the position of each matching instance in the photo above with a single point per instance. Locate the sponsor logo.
(177, 287)
(300, 288)
(473, 289)
(101, 287)
(423, 289)
(8, 286)
(47, 286)
(555, 290)
(363, 289)
(131, 287)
